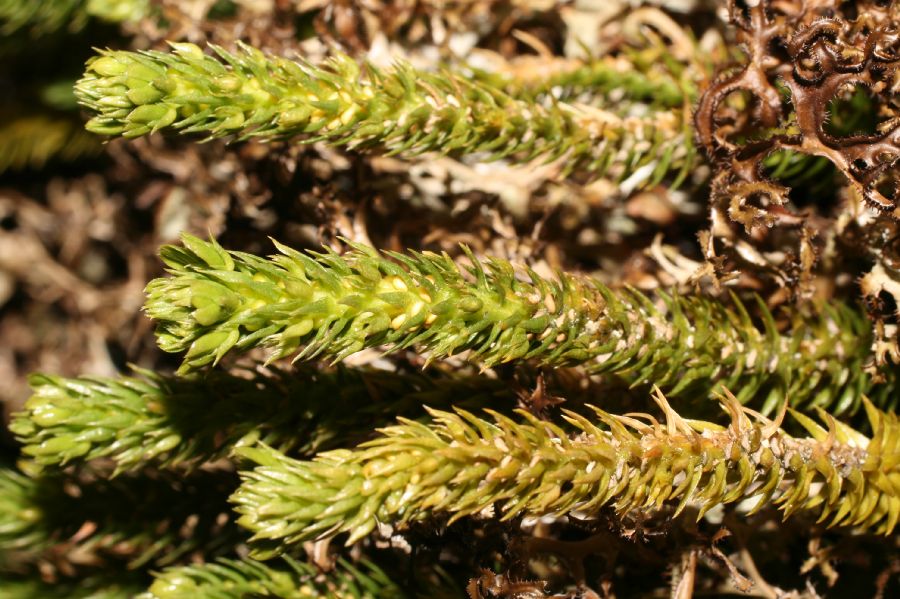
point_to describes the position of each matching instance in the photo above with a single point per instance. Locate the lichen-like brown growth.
(801, 56)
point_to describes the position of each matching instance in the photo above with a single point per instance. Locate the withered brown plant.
(802, 55)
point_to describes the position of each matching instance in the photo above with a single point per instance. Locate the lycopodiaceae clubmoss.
(173, 422)
(399, 111)
(462, 464)
(328, 305)
(599, 78)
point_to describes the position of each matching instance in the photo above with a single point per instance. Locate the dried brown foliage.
(802, 55)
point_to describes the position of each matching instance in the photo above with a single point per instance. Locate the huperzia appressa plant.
(190, 422)
(309, 305)
(570, 83)
(398, 111)
(462, 465)
(418, 422)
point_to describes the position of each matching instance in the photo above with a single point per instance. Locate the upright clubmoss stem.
(175, 422)
(461, 465)
(326, 305)
(400, 110)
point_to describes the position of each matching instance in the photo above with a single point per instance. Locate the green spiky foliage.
(285, 579)
(40, 18)
(175, 422)
(398, 111)
(140, 520)
(462, 465)
(597, 79)
(326, 305)
(129, 474)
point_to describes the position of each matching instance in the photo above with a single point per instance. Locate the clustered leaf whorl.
(399, 111)
(327, 305)
(462, 465)
(174, 422)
